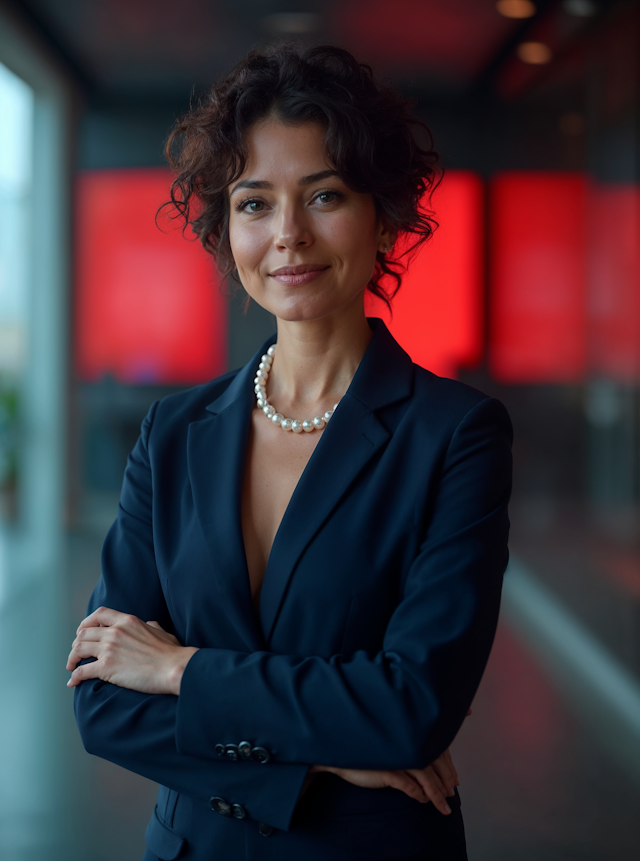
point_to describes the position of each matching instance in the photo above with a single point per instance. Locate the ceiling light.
(292, 23)
(516, 8)
(536, 53)
(580, 8)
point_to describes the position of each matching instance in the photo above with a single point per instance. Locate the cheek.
(352, 236)
(353, 232)
(247, 247)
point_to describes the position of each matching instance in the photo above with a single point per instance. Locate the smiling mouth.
(294, 275)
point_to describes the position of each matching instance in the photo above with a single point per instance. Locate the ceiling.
(160, 49)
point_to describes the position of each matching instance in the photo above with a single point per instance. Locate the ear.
(386, 238)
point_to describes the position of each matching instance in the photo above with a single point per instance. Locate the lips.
(301, 274)
(300, 269)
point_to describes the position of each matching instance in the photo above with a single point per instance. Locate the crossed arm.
(143, 657)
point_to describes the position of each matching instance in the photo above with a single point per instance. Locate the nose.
(292, 229)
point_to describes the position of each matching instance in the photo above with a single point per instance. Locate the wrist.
(183, 656)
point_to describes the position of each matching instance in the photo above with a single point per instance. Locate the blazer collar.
(384, 375)
(216, 457)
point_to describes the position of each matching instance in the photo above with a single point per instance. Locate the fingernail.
(447, 808)
(69, 683)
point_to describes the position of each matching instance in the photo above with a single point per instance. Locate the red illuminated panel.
(437, 313)
(148, 304)
(614, 281)
(538, 277)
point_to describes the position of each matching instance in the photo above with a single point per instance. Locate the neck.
(316, 360)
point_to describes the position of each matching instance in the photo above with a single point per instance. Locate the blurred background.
(530, 291)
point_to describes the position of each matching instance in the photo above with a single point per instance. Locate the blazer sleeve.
(402, 707)
(138, 731)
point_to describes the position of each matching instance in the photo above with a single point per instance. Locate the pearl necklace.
(260, 382)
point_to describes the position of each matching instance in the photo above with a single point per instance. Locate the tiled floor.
(536, 784)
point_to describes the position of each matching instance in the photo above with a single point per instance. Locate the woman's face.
(304, 244)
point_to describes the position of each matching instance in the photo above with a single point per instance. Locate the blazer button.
(221, 750)
(265, 830)
(232, 752)
(260, 754)
(221, 806)
(245, 749)
(238, 811)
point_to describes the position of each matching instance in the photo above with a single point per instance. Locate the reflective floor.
(537, 785)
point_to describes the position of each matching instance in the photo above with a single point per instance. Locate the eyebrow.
(305, 180)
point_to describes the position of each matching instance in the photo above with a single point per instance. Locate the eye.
(251, 204)
(329, 196)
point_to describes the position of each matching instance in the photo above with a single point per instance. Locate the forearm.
(137, 732)
(365, 713)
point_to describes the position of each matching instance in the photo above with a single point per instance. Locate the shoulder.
(179, 409)
(452, 403)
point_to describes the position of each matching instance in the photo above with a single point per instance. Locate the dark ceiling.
(159, 49)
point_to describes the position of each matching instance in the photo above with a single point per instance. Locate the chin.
(300, 308)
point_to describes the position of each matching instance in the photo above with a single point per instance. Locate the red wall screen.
(438, 311)
(148, 305)
(614, 281)
(538, 273)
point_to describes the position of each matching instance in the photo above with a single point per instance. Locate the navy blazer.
(379, 603)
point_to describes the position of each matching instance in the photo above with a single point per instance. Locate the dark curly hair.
(370, 140)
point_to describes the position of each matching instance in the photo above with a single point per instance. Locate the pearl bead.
(260, 389)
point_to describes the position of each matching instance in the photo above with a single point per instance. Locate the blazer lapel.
(216, 453)
(352, 438)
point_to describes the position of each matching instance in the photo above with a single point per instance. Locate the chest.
(274, 464)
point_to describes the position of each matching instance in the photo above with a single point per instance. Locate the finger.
(86, 671)
(431, 777)
(454, 771)
(82, 650)
(102, 616)
(167, 636)
(446, 778)
(445, 769)
(90, 634)
(432, 788)
(403, 781)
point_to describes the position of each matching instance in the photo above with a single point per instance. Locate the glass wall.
(16, 178)
(34, 231)
(564, 313)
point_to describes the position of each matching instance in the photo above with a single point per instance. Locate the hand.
(130, 653)
(434, 783)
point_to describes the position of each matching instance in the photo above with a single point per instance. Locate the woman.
(300, 592)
